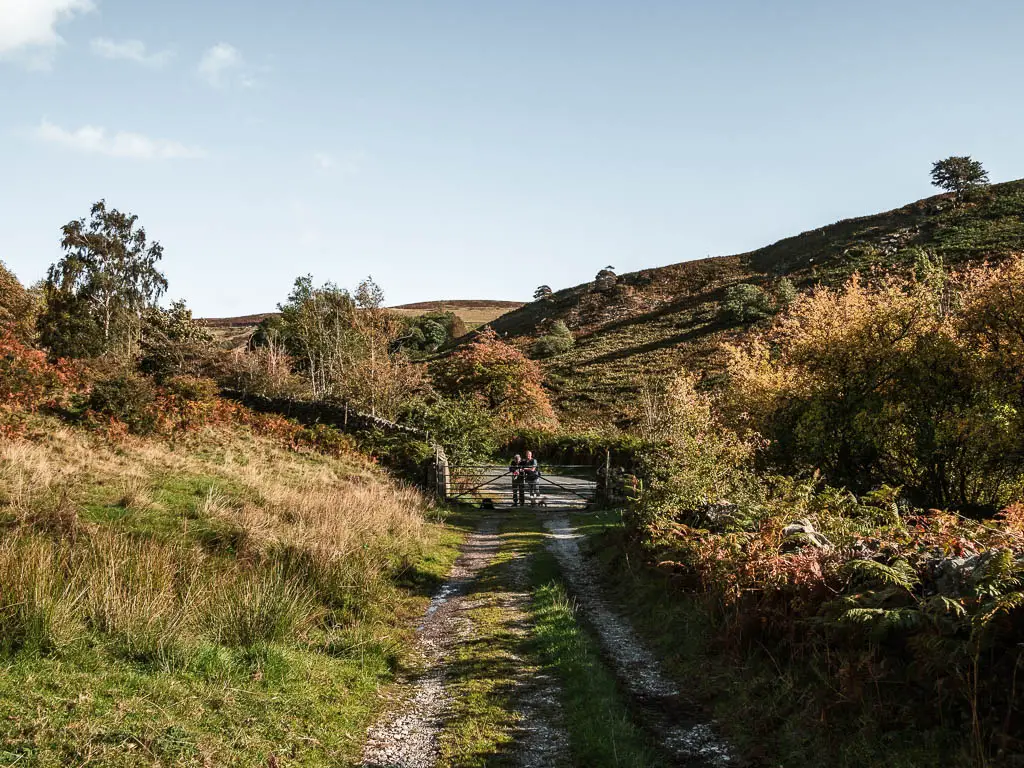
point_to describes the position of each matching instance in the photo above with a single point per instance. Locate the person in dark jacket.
(531, 471)
(518, 481)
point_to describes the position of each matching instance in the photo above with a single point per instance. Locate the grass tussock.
(39, 601)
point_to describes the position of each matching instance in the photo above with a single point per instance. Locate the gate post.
(442, 474)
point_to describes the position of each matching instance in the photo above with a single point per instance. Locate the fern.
(997, 574)
(942, 606)
(899, 574)
(1002, 605)
(884, 621)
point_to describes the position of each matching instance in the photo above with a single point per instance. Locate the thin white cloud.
(324, 161)
(97, 141)
(130, 50)
(347, 164)
(28, 28)
(223, 65)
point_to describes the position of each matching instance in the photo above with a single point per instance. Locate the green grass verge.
(601, 730)
(483, 672)
(243, 707)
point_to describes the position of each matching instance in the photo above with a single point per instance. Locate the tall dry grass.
(39, 597)
(314, 543)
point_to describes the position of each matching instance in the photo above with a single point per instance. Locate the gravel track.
(407, 736)
(663, 710)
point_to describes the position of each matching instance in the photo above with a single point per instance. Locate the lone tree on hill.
(605, 278)
(542, 292)
(959, 175)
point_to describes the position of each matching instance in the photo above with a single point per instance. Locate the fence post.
(608, 493)
(441, 474)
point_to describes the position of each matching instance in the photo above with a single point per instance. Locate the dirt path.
(486, 602)
(663, 709)
(407, 736)
(412, 735)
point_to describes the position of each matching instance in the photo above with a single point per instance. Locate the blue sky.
(478, 149)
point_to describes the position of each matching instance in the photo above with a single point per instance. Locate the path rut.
(664, 711)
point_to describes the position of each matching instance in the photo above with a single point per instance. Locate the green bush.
(174, 344)
(557, 341)
(785, 294)
(192, 389)
(462, 426)
(325, 439)
(745, 303)
(404, 454)
(126, 397)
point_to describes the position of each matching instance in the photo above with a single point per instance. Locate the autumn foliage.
(911, 383)
(17, 314)
(500, 377)
(803, 503)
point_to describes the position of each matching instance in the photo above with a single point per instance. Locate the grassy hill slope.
(651, 322)
(473, 312)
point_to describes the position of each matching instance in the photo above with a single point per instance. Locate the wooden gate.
(563, 486)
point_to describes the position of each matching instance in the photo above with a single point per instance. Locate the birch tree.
(97, 293)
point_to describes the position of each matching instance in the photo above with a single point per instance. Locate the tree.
(605, 279)
(173, 343)
(542, 292)
(960, 175)
(897, 383)
(345, 345)
(500, 377)
(430, 331)
(106, 280)
(17, 307)
(785, 294)
(318, 329)
(381, 377)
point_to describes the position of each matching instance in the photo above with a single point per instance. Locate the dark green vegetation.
(649, 323)
(778, 701)
(960, 175)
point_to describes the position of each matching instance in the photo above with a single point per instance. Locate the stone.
(801, 533)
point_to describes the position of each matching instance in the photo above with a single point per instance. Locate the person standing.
(518, 481)
(531, 472)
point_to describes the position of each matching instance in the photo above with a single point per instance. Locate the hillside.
(233, 332)
(647, 323)
(473, 312)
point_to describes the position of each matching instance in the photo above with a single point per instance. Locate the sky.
(477, 149)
